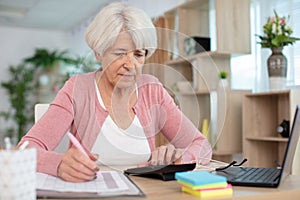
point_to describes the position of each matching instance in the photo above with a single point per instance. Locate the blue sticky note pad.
(199, 177)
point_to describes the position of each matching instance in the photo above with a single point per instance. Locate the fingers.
(169, 154)
(68, 173)
(76, 167)
(166, 155)
(93, 157)
(177, 157)
(154, 156)
(161, 155)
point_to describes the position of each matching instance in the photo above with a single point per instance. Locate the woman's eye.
(119, 54)
(139, 55)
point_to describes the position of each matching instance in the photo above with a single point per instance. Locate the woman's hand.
(166, 154)
(76, 167)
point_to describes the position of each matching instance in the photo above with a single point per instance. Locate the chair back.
(39, 111)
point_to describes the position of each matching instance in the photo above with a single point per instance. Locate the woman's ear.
(97, 55)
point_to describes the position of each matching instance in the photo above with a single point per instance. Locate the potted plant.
(50, 75)
(20, 87)
(223, 75)
(47, 59)
(23, 87)
(277, 35)
(223, 82)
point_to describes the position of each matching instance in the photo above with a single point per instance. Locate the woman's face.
(122, 63)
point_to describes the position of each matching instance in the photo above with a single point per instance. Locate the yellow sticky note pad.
(210, 193)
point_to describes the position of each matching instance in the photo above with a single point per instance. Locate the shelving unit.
(227, 24)
(229, 123)
(262, 113)
(196, 106)
(222, 108)
(201, 69)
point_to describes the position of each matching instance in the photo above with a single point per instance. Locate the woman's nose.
(130, 60)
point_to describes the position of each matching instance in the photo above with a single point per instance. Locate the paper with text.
(111, 182)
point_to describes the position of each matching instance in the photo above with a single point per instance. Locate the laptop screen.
(292, 144)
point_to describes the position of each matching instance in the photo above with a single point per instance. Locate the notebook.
(266, 177)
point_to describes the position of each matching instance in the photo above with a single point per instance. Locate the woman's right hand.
(76, 167)
(166, 154)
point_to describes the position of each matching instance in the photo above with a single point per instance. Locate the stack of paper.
(204, 184)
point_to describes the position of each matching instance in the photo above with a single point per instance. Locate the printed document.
(110, 182)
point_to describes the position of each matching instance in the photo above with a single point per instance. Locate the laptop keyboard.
(259, 175)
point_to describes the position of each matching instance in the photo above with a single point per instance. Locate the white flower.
(280, 30)
(274, 28)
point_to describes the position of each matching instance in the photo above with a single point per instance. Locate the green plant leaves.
(23, 85)
(276, 33)
(47, 59)
(18, 88)
(223, 75)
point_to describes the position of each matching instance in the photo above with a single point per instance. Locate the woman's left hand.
(166, 154)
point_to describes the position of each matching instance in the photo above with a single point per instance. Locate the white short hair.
(116, 17)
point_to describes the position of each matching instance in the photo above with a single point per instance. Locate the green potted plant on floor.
(20, 87)
(23, 87)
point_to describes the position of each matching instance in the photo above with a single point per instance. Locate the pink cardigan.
(77, 109)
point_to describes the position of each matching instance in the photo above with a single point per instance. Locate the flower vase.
(277, 69)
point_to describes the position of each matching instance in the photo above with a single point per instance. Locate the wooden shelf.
(198, 92)
(262, 114)
(185, 59)
(269, 93)
(226, 22)
(267, 139)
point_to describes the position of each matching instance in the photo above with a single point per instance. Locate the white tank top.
(116, 146)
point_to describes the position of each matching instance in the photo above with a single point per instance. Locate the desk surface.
(162, 190)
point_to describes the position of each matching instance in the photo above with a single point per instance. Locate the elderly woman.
(115, 112)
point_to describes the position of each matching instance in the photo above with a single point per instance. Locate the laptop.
(266, 177)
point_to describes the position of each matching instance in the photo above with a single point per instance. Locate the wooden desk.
(170, 190)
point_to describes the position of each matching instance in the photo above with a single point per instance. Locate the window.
(249, 71)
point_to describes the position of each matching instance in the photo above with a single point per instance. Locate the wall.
(19, 43)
